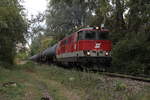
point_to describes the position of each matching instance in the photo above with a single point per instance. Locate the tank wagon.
(87, 46)
(46, 56)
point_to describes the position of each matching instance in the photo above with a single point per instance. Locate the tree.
(12, 29)
(40, 43)
(132, 51)
(64, 15)
(36, 26)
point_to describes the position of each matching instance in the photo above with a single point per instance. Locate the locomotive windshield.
(92, 35)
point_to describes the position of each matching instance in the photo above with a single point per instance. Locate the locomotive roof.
(87, 29)
(93, 29)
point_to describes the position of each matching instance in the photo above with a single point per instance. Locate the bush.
(120, 86)
(6, 65)
(129, 56)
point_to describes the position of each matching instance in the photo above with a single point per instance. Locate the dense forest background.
(127, 20)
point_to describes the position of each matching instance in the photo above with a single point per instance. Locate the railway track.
(143, 79)
(136, 78)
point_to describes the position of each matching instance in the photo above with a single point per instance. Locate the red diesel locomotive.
(88, 46)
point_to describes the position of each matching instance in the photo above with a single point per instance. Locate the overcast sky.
(33, 7)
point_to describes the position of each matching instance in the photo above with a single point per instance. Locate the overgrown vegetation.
(12, 29)
(33, 81)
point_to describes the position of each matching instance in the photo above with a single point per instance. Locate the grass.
(34, 81)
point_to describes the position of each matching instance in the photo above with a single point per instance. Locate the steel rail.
(143, 79)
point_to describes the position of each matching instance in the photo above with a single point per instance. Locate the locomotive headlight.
(107, 53)
(97, 28)
(88, 53)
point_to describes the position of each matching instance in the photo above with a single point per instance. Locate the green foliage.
(22, 55)
(12, 29)
(130, 56)
(120, 86)
(12, 91)
(33, 80)
(140, 96)
(41, 43)
(131, 47)
(63, 16)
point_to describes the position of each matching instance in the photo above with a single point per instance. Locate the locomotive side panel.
(66, 50)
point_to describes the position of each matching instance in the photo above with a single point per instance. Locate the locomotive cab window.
(93, 35)
(87, 35)
(90, 35)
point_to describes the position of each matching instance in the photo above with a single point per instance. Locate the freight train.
(88, 46)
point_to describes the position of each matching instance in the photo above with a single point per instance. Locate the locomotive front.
(94, 46)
